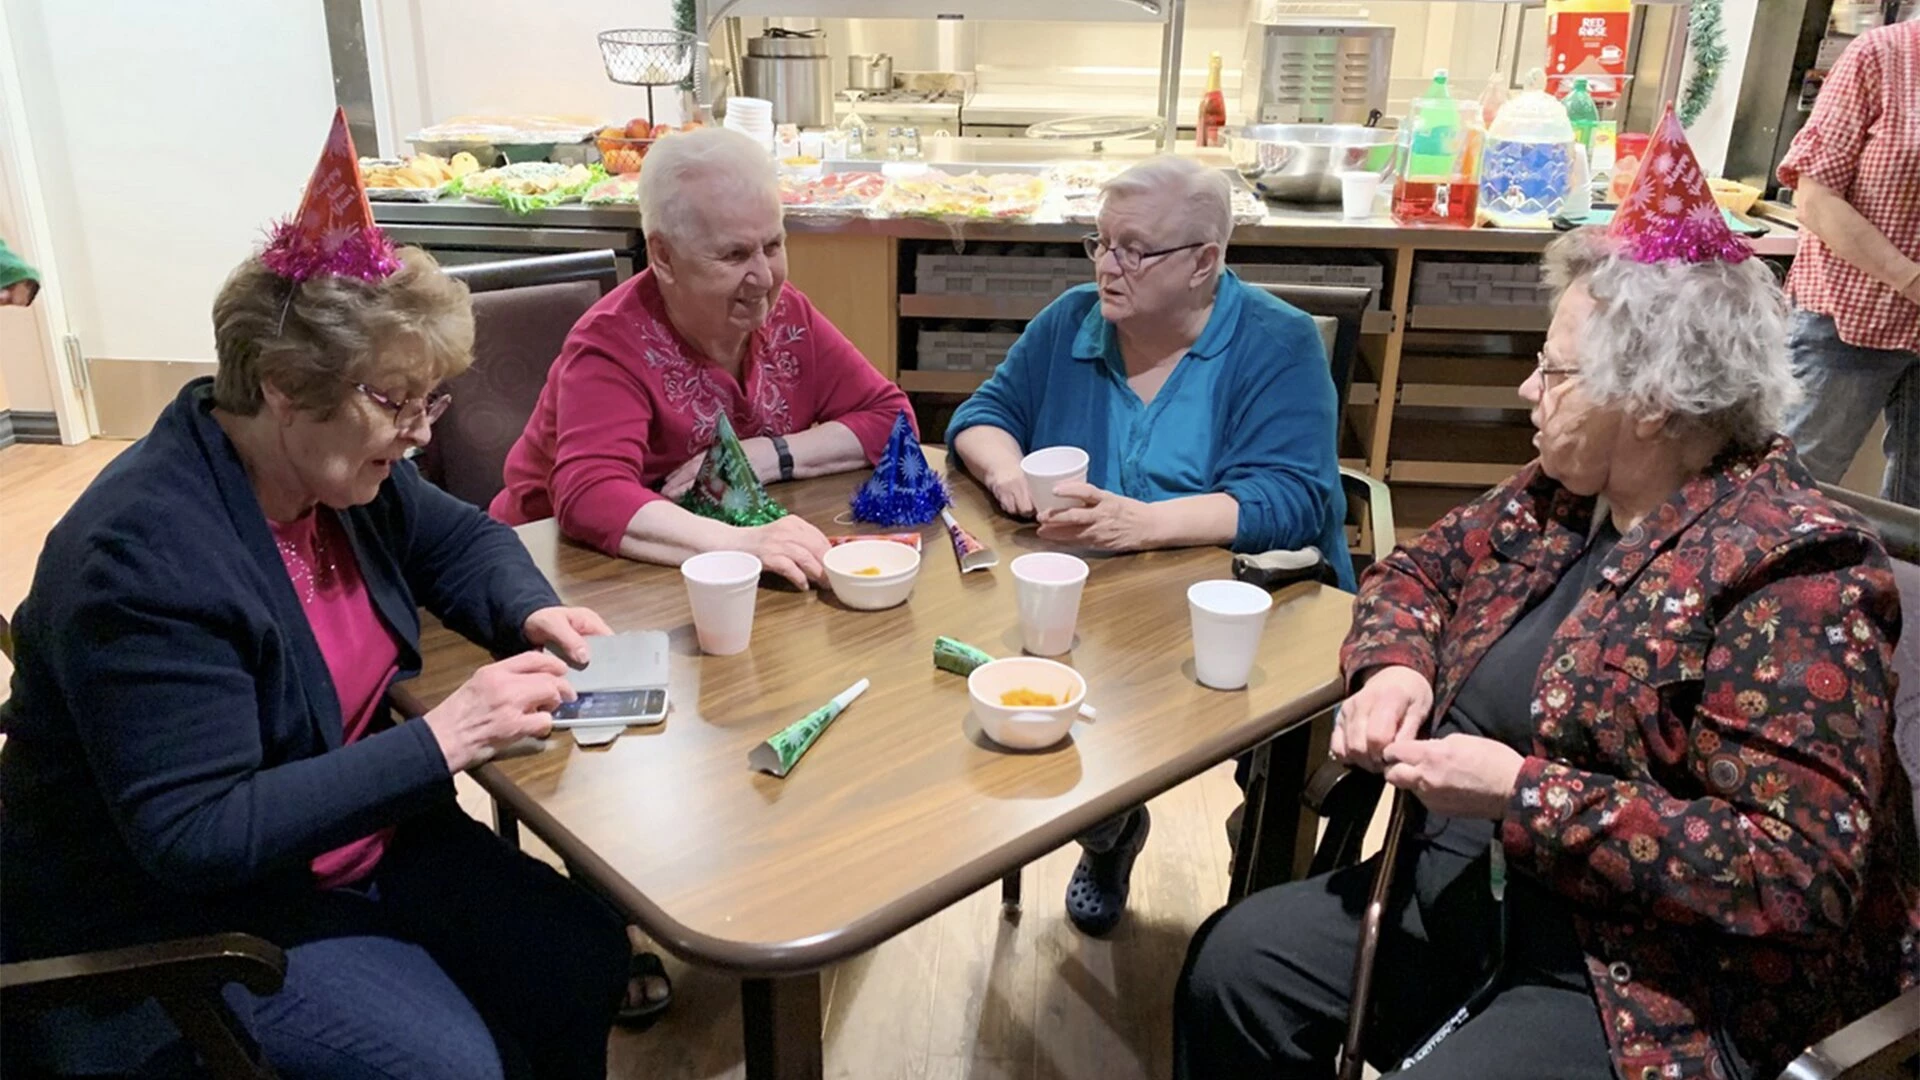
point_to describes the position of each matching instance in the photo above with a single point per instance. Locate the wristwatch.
(785, 455)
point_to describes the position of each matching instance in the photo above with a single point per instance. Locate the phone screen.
(614, 705)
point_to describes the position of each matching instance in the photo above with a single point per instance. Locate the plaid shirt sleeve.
(1827, 150)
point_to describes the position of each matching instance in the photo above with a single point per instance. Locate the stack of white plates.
(752, 117)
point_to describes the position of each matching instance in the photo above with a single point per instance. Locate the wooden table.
(902, 807)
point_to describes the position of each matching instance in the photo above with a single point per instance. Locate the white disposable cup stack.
(721, 588)
(1358, 190)
(1228, 620)
(1051, 466)
(1047, 586)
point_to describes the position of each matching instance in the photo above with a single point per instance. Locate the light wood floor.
(967, 994)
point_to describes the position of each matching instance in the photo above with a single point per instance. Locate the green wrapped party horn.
(781, 753)
(957, 656)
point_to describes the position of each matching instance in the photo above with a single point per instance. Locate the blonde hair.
(314, 340)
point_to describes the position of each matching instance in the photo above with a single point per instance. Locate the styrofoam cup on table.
(1050, 466)
(1228, 620)
(1358, 190)
(721, 588)
(1047, 587)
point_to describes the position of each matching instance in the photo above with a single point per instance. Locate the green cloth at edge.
(14, 269)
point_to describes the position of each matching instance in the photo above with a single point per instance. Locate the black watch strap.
(785, 455)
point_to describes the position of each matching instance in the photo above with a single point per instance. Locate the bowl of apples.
(622, 148)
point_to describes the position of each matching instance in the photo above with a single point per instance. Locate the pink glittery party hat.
(1670, 213)
(333, 233)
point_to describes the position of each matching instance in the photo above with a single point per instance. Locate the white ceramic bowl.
(1026, 727)
(898, 564)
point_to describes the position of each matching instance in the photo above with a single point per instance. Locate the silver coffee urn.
(790, 69)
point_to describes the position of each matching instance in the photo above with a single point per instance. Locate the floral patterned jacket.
(1713, 786)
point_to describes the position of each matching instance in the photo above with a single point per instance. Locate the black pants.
(1267, 984)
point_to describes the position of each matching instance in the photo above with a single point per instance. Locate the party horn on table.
(781, 753)
(961, 658)
(973, 554)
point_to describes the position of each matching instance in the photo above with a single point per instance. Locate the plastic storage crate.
(1497, 284)
(962, 350)
(1364, 277)
(998, 275)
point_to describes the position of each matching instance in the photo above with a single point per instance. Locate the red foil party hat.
(334, 231)
(1670, 213)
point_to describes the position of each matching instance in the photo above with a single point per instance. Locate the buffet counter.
(1458, 319)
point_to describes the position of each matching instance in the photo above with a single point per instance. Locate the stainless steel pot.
(869, 71)
(1303, 162)
(791, 70)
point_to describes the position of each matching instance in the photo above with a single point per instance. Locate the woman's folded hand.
(1390, 706)
(1463, 776)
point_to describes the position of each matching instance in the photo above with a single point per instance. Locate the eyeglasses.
(406, 412)
(1545, 369)
(1131, 259)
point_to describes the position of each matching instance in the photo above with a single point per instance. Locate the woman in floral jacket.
(1641, 694)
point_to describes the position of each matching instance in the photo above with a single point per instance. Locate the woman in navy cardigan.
(197, 738)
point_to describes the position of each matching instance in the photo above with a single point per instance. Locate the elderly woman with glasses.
(712, 327)
(1205, 405)
(1637, 704)
(199, 738)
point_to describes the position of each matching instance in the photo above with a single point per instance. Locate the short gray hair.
(684, 171)
(1702, 344)
(1203, 196)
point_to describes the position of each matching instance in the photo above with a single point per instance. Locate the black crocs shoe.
(1097, 895)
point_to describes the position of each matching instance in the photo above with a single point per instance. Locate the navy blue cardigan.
(173, 758)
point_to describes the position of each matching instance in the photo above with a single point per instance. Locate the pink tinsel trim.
(1689, 241)
(366, 254)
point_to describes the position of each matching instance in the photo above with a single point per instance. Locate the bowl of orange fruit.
(623, 147)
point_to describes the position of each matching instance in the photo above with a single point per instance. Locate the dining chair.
(523, 310)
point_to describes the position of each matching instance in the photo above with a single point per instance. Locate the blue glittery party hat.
(903, 490)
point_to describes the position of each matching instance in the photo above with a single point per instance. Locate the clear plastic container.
(1439, 179)
(1524, 172)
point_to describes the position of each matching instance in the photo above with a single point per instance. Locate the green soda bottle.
(1583, 114)
(1436, 133)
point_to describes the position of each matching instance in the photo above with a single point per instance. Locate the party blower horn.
(903, 491)
(727, 488)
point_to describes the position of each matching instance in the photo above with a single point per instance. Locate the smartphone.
(605, 708)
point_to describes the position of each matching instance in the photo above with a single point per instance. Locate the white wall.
(24, 345)
(447, 58)
(167, 136)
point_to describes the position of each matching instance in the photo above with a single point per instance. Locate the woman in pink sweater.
(632, 404)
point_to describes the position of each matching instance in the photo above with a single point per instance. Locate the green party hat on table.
(727, 488)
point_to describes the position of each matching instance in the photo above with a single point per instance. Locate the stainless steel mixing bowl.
(1303, 162)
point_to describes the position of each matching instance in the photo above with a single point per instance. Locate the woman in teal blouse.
(1206, 406)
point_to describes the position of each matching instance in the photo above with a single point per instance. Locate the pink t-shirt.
(361, 655)
(629, 401)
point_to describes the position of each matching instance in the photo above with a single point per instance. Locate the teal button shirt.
(1249, 411)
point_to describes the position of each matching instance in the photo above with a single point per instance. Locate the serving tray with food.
(974, 195)
(531, 185)
(420, 178)
(847, 194)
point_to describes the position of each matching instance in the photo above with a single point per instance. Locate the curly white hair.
(1703, 345)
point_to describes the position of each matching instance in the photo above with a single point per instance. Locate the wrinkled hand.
(680, 480)
(566, 628)
(1106, 522)
(502, 704)
(790, 547)
(1463, 776)
(1010, 493)
(1388, 708)
(760, 455)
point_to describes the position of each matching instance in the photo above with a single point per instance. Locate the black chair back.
(1344, 304)
(523, 310)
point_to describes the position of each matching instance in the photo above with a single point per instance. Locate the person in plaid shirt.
(1855, 171)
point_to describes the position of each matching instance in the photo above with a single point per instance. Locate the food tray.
(974, 196)
(849, 194)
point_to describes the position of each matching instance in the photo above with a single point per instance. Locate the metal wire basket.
(647, 58)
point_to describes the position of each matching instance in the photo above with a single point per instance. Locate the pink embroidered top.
(361, 654)
(629, 401)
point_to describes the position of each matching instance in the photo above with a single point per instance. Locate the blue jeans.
(459, 959)
(1845, 387)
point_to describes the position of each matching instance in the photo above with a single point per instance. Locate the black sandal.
(1097, 895)
(642, 967)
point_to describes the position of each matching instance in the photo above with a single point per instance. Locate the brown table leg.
(1276, 838)
(782, 1026)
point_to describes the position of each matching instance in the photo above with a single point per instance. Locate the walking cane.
(1352, 1061)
